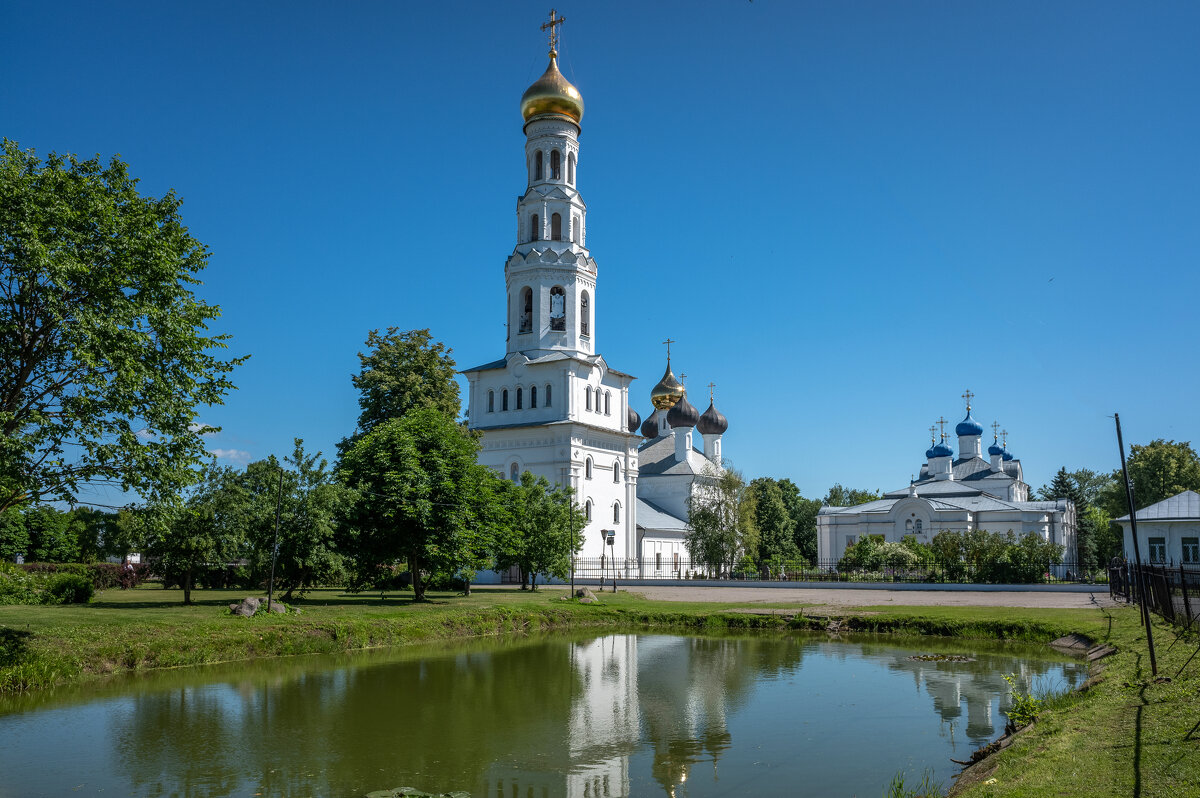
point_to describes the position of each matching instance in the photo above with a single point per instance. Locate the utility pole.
(1137, 554)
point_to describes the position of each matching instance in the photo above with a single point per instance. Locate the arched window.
(537, 166)
(518, 398)
(547, 394)
(587, 392)
(532, 396)
(617, 471)
(555, 165)
(918, 526)
(585, 314)
(587, 510)
(513, 473)
(558, 309)
(491, 401)
(908, 525)
(504, 399)
(555, 227)
(571, 168)
(535, 228)
(616, 512)
(526, 324)
(575, 231)
(607, 403)
(587, 468)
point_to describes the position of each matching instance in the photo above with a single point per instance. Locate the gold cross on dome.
(995, 428)
(711, 385)
(933, 433)
(683, 381)
(668, 342)
(942, 422)
(552, 25)
(968, 396)
(1004, 438)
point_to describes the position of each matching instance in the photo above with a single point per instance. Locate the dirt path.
(851, 597)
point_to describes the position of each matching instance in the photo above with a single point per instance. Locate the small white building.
(1168, 531)
(954, 494)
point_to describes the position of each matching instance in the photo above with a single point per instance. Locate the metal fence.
(1172, 591)
(1002, 571)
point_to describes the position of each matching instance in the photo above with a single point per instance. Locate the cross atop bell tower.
(552, 26)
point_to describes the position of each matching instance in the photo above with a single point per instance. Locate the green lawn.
(1127, 736)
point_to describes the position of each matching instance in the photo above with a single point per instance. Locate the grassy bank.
(1127, 735)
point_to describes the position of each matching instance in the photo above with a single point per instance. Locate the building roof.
(658, 457)
(651, 516)
(1181, 506)
(975, 502)
(548, 357)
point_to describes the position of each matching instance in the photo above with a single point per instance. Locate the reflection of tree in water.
(445, 718)
(687, 687)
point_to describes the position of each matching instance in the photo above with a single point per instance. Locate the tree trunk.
(187, 586)
(533, 578)
(524, 577)
(466, 586)
(414, 567)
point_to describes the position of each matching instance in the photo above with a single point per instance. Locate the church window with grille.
(1158, 549)
(526, 324)
(555, 227)
(558, 309)
(616, 512)
(537, 166)
(555, 165)
(585, 315)
(917, 526)
(1191, 550)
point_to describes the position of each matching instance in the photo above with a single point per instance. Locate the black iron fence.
(1172, 591)
(1000, 571)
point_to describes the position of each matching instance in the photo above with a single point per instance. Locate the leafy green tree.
(402, 372)
(412, 480)
(804, 518)
(104, 356)
(125, 533)
(204, 529)
(718, 527)
(776, 527)
(547, 528)
(1158, 470)
(491, 523)
(53, 534)
(839, 496)
(14, 535)
(310, 503)
(1065, 486)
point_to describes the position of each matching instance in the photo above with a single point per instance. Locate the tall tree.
(804, 515)
(14, 535)
(547, 529)
(206, 528)
(412, 477)
(53, 534)
(1159, 470)
(717, 527)
(776, 528)
(839, 496)
(104, 351)
(1066, 486)
(403, 371)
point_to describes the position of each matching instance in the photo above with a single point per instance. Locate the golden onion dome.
(668, 391)
(552, 94)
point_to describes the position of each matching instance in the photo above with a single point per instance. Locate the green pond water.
(540, 717)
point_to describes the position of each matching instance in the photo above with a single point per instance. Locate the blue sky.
(846, 213)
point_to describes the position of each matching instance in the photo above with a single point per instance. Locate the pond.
(540, 717)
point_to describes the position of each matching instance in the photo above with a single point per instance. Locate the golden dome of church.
(668, 391)
(552, 94)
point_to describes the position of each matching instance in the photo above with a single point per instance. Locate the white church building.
(952, 493)
(553, 405)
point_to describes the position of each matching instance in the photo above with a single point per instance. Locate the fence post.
(1187, 605)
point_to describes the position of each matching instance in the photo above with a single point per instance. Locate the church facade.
(955, 494)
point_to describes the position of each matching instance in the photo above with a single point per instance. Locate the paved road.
(850, 597)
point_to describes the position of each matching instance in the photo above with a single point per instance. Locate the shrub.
(1025, 708)
(19, 587)
(69, 589)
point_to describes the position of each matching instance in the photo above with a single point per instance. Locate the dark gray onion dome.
(683, 414)
(713, 422)
(650, 427)
(632, 420)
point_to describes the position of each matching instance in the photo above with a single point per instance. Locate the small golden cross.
(942, 422)
(1004, 438)
(968, 396)
(711, 385)
(683, 381)
(553, 24)
(933, 433)
(668, 342)
(995, 428)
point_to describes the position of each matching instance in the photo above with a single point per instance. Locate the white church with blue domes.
(953, 493)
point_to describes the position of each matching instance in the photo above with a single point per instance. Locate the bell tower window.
(555, 227)
(537, 166)
(584, 314)
(535, 228)
(558, 308)
(571, 169)
(555, 165)
(526, 310)
(575, 231)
